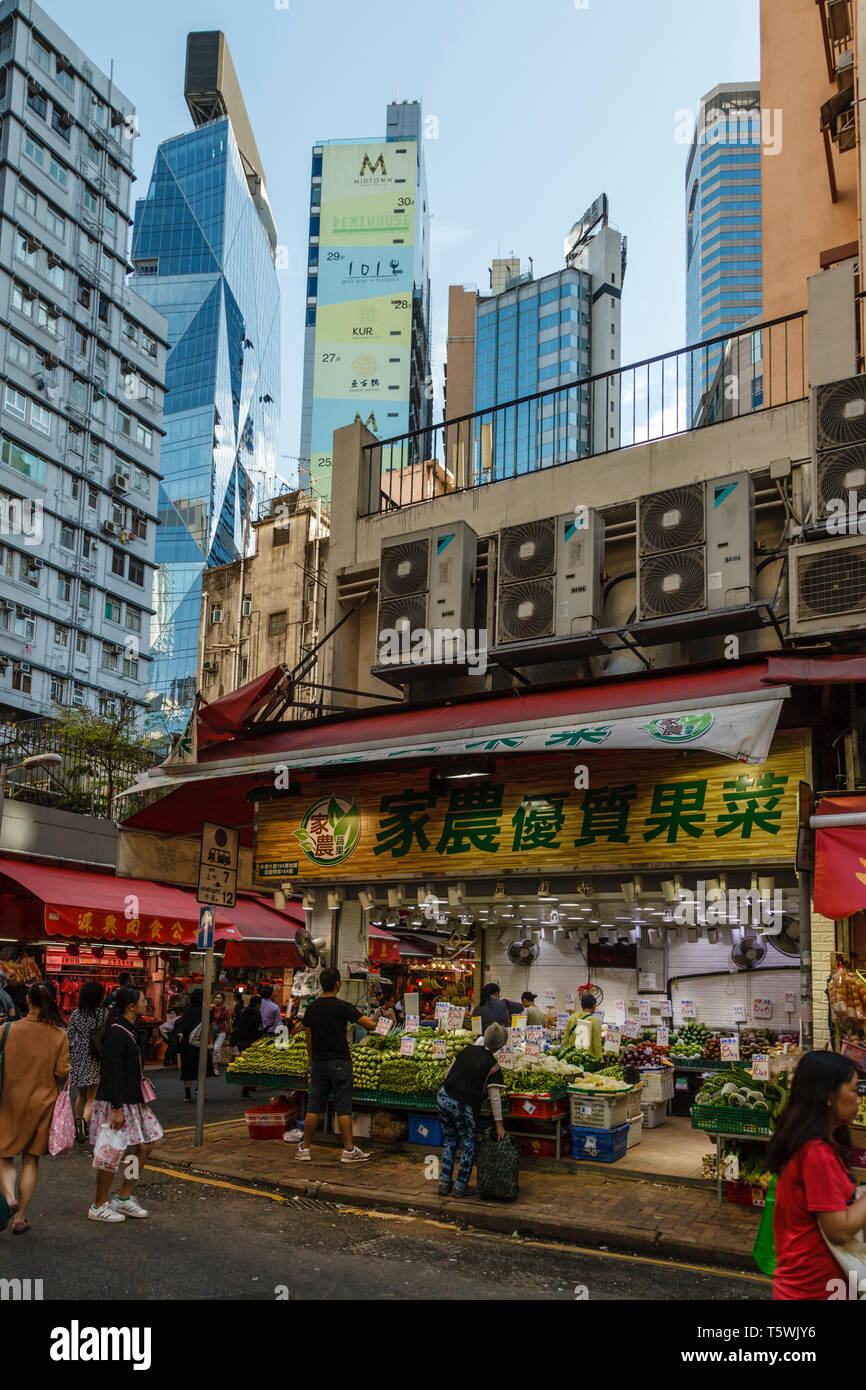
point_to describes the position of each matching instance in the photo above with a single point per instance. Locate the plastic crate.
(599, 1112)
(655, 1113)
(535, 1148)
(634, 1101)
(269, 1121)
(699, 1064)
(746, 1194)
(599, 1145)
(730, 1119)
(536, 1107)
(658, 1085)
(635, 1127)
(287, 1081)
(425, 1129)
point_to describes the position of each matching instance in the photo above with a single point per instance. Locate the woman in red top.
(815, 1191)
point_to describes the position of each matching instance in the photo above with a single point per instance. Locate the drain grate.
(312, 1204)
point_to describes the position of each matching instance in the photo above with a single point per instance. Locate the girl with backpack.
(86, 1033)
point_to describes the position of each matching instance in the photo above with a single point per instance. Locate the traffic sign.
(205, 929)
(218, 866)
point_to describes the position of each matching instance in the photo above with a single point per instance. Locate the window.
(79, 695)
(67, 536)
(25, 249)
(92, 498)
(107, 264)
(90, 200)
(142, 481)
(41, 54)
(84, 595)
(64, 588)
(64, 77)
(109, 218)
(40, 418)
(25, 623)
(247, 606)
(78, 393)
(100, 114)
(91, 149)
(110, 657)
(113, 611)
(97, 407)
(25, 197)
(216, 613)
(61, 122)
(107, 704)
(84, 293)
(245, 664)
(130, 332)
(81, 644)
(75, 441)
(23, 300)
(57, 171)
(139, 526)
(56, 274)
(113, 173)
(15, 403)
(94, 451)
(277, 623)
(19, 352)
(133, 618)
(148, 344)
(130, 667)
(58, 690)
(118, 563)
(61, 635)
(87, 247)
(29, 570)
(102, 311)
(79, 341)
(88, 546)
(21, 678)
(100, 359)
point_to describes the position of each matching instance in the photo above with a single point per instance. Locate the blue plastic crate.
(425, 1129)
(599, 1145)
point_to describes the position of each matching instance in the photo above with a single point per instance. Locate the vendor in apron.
(583, 1029)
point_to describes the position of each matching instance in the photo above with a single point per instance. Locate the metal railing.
(88, 777)
(755, 369)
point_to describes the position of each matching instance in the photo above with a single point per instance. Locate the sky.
(539, 108)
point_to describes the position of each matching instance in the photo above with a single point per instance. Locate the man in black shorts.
(325, 1024)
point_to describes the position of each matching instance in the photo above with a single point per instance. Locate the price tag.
(569, 1002)
(730, 1049)
(506, 1057)
(631, 1029)
(666, 1008)
(535, 1033)
(515, 1036)
(739, 1013)
(760, 1067)
(687, 1008)
(643, 1006)
(790, 1002)
(407, 1047)
(612, 1039)
(518, 1021)
(763, 1008)
(440, 1009)
(561, 1022)
(528, 1107)
(586, 1110)
(550, 998)
(475, 1025)
(619, 1011)
(663, 1037)
(384, 1025)
(531, 1050)
(412, 1023)
(440, 1049)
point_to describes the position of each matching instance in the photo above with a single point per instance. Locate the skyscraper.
(723, 228)
(82, 363)
(203, 249)
(367, 338)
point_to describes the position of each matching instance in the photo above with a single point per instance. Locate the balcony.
(726, 378)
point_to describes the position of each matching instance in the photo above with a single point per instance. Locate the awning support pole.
(807, 1030)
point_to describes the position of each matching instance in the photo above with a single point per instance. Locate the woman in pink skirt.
(121, 1120)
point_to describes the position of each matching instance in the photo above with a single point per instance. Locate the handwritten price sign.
(561, 1021)
(763, 1008)
(666, 1008)
(739, 1013)
(612, 1039)
(534, 1034)
(407, 1047)
(643, 1006)
(440, 1049)
(412, 1023)
(688, 1008)
(630, 1029)
(663, 1037)
(384, 1025)
(730, 1049)
(760, 1067)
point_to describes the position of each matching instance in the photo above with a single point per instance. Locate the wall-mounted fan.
(748, 952)
(307, 949)
(523, 952)
(787, 941)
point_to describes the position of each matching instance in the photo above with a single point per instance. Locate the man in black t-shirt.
(325, 1024)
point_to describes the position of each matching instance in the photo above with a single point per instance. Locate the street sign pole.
(217, 887)
(203, 1049)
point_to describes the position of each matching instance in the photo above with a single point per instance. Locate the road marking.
(718, 1271)
(211, 1124)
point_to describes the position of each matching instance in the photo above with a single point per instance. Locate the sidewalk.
(566, 1202)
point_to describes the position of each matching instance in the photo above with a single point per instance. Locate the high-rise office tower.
(723, 230)
(82, 362)
(203, 249)
(535, 335)
(367, 339)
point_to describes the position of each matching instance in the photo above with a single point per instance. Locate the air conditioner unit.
(696, 548)
(839, 448)
(37, 564)
(827, 584)
(425, 583)
(110, 528)
(210, 666)
(120, 481)
(549, 578)
(5, 606)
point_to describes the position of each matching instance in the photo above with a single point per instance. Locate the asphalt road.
(210, 1241)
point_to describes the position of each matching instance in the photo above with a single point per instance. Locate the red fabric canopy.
(828, 670)
(840, 860)
(382, 947)
(222, 718)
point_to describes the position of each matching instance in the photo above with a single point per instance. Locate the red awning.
(840, 859)
(825, 670)
(136, 912)
(222, 718)
(382, 947)
(268, 935)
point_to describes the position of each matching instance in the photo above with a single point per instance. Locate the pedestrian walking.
(86, 1033)
(271, 1015)
(188, 1033)
(816, 1199)
(35, 1064)
(474, 1074)
(122, 1120)
(221, 1024)
(246, 1029)
(325, 1024)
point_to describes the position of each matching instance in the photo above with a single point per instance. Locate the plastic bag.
(848, 998)
(109, 1144)
(764, 1248)
(61, 1136)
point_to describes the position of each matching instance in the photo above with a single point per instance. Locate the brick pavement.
(565, 1202)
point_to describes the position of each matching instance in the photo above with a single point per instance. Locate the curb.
(502, 1220)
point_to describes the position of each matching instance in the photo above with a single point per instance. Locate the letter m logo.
(367, 164)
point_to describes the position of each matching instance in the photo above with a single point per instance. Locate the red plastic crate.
(746, 1194)
(536, 1148)
(536, 1107)
(270, 1121)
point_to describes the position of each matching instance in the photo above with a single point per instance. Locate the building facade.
(203, 249)
(367, 317)
(268, 609)
(82, 361)
(723, 226)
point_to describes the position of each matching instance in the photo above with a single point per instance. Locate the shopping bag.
(110, 1146)
(497, 1164)
(61, 1136)
(764, 1248)
(850, 1257)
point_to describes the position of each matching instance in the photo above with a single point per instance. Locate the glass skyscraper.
(723, 229)
(203, 251)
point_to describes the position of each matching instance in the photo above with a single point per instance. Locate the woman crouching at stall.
(474, 1074)
(121, 1119)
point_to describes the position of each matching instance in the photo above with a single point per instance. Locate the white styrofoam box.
(635, 1126)
(658, 1085)
(655, 1114)
(360, 1126)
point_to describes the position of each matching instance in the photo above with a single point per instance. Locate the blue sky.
(540, 108)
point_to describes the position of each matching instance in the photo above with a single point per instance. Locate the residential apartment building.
(723, 228)
(367, 316)
(82, 361)
(268, 609)
(203, 249)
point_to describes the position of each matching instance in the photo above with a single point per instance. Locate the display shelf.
(692, 1064)
(268, 1078)
(731, 1119)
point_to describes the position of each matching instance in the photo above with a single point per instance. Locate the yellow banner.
(612, 810)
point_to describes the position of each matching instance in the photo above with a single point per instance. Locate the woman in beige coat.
(35, 1062)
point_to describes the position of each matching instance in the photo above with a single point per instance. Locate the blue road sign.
(205, 929)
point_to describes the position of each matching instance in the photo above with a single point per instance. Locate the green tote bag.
(764, 1249)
